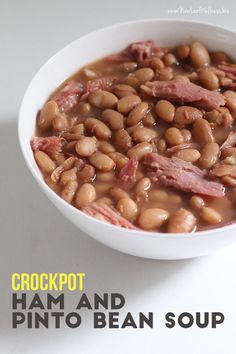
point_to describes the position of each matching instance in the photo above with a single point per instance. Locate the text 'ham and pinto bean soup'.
(145, 139)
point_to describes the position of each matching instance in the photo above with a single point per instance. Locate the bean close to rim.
(153, 218)
(210, 216)
(127, 208)
(45, 163)
(48, 112)
(85, 194)
(181, 222)
(199, 55)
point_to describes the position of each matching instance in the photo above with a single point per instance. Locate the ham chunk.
(103, 83)
(105, 213)
(173, 172)
(184, 92)
(51, 145)
(127, 175)
(68, 96)
(144, 50)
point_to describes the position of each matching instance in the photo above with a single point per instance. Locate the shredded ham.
(51, 145)
(127, 175)
(184, 92)
(108, 214)
(68, 96)
(103, 83)
(144, 50)
(182, 175)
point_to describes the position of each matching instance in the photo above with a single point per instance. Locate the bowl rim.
(47, 189)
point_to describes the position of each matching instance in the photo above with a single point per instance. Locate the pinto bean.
(122, 90)
(189, 155)
(209, 155)
(156, 63)
(182, 51)
(174, 199)
(69, 191)
(130, 66)
(105, 176)
(220, 56)
(202, 132)
(60, 123)
(199, 55)
(127, 103)
(186, 135)
(159, 195)
(149, 120)
(48, 112)
(45, 163)
(228, 151)
(185, 115)
(173, 136)
(230, 97)
(86, 146)
(113, 119)
(142, 188)
(197, 202)
(165, 110)
(181, 78)
(161, 145)
(87, 173)
(170, 59)
(142, 134)
(209, 79)
(153, 218)
(122, 140)
(210, 216)
(119, 159)
(139, 150)
(69, 175)
(165, 74)
(117, 193)
(137, 113)
(98, 128)
(228, 181)
(127, 208)
(182, 221)
(78, 129)
(144, 74)
(85, 194)
(101, 161)
(103, 99)
(105, 147)
(84, 108)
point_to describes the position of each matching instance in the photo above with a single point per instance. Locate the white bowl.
(88, 49)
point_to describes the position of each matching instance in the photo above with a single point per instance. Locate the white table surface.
(36, 238)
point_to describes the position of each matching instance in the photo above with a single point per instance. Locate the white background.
(36, 238)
